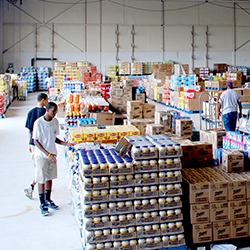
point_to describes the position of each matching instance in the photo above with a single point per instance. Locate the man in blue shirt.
(230, 101)
(32, 116)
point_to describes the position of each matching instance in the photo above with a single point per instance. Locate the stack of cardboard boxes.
(140, 114)
(120, 94)
(219, 204)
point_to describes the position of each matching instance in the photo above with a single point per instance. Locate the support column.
(52, 45)
(35, 45)
(192, 48)
(133, 43)
(117, 44)
(163, 31)
(85, 31)
(234, 35)
(207, 45)
(100, 36)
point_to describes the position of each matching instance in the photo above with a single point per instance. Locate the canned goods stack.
(132, 203)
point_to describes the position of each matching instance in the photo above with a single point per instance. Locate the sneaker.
(52, 205)
(44, 210)
(29, 192)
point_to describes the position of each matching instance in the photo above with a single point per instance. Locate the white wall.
(86, 31)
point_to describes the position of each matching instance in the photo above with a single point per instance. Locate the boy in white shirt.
(45, 131)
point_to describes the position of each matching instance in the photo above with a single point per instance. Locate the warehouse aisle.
(22, 226)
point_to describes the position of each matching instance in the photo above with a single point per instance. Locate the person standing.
(230, 100)
(32, 116)
(46, 129)
(50, 82)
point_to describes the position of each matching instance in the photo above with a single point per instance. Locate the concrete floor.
(22, 226)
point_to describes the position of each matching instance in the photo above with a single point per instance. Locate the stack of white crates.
(132, 203)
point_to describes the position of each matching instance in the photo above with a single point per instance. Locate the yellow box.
(112, 133)
(75, 135)
(88, 134)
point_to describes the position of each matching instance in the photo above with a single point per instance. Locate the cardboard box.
(183, 127)
(217, 138)
(248, 209)
(221, 230)
(203, 150)
(199, 193)
(246, 91)
(107, 118)
(202, 233)
(134, 110)
(218, 191)
(164, 118)
(237, 210)
(128, 83)
(61, 111)
(140, 97)
(239, 228)
(245, 98)
(155, 129)
(232, 161)
(199, 213)
(219, 211)
(148, 110)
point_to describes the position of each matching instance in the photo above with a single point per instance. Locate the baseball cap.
(229, 84)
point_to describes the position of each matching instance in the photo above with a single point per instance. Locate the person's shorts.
(45, 170)
(32, 147)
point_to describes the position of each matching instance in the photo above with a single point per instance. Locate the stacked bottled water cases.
(42, 74)
(132, 203)
(28, 74)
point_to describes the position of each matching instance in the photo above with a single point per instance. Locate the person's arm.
(240, 108)
(51, 157)
(68, 144)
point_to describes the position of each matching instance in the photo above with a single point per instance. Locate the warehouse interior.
(139, 87)
(199, 33)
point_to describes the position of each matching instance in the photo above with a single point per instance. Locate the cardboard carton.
(239, 228)
(219, 211)
(237, 210)
(232, 161)
(199, 213)
(163, 118)
(148, 110)
(107, 118)
(154, 129)
(184, 127)
(217, 138)
(221, 230)
(202, 233)
(140, 97)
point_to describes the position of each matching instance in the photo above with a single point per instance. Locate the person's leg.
(233, 117)
(227, 122)
(52, 174)
(29, 190)
(40, 177)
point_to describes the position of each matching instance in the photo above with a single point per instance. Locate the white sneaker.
(29, 192)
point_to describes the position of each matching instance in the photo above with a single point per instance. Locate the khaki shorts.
(45, 170)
